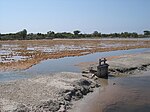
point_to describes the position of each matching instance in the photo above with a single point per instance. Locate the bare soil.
(79, 47)
(32, 93)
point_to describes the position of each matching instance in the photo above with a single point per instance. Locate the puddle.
(56, 48)
(104, 45)
(11, 52)
(8, 53)
(66, 64)
(5, 52)
(10, 46)
(129, 94)
(11, 57)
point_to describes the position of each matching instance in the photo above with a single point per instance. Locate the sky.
(105, 16)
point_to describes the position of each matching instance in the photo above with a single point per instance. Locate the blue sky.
(106, 16)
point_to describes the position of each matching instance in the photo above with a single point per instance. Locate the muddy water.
(126, 94)
(66, 64)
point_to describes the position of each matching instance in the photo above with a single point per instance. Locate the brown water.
(126, 94)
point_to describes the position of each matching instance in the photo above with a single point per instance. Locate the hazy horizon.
(66, 16)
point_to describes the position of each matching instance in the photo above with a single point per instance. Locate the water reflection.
(66, 64)
(129, 94)
(103, 82)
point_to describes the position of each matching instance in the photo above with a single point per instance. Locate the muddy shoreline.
(57, 92)
(122, 65)
(33, 50)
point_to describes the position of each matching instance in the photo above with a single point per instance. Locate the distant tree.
(21, 35)
(67, 34)
(146, 32)
(24, 34)
(134, 34)
(96, 34)
(76, 32)
(59, 35)
(30, 34)
(104, 35)
(50, 34)
(39, 34)
(115, 35)
(125, 34)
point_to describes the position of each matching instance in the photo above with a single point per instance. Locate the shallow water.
(66, 64)
(9, 52)
(126, 94)
(57, 48)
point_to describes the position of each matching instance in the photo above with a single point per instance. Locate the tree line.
(23, 35)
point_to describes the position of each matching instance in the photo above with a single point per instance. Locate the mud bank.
(49, 93)
(123, 65)
(131, 65)
(21, 55)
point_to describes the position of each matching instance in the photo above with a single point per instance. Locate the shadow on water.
(65, 64)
